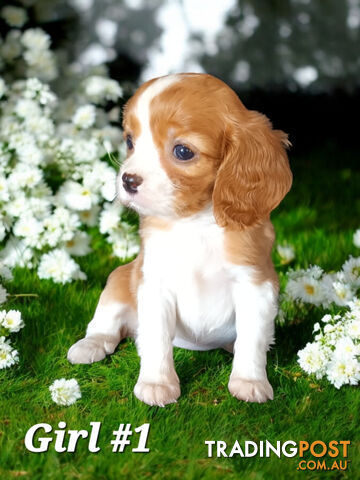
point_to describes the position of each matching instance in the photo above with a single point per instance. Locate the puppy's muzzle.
(131, 181)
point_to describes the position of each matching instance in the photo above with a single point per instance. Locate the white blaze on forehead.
(155, 194)
(143, 103)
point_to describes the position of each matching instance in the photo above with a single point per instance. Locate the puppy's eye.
(129, 142)
(183, 153)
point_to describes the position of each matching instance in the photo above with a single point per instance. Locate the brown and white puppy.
(204, 173)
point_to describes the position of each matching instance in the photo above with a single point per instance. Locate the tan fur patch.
(252, 247)
(153, 223)
(123, 282)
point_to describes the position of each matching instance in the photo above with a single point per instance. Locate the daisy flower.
(75, 196)
(110, 217)
(343, 370)
(79, 245)
(84, 117)
(337, 290)
(65, 392)
(5, 272)
(286, 252)
(90, 217)
(307, 289)
(351, 270)
(3, 294)
(8, 355)
(313, 359)
(58, 266)
(11, 320)
(356, 238)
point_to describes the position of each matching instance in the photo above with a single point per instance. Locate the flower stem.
(23, 295)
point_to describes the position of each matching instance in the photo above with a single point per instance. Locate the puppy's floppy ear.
(254, 175)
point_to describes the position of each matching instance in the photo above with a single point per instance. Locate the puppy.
(204, 173)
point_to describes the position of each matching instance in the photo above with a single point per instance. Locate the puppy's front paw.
(92, 349)
(157, 394)
(251, 390)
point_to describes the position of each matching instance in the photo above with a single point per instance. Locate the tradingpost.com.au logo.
(324, 456)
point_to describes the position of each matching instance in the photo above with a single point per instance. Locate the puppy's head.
(192, 144)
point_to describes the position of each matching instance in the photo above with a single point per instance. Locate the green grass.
(318, 217)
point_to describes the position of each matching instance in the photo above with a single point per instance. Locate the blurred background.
(297, 61)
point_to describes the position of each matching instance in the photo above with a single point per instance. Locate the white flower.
(14, 16)
(337, 290)
(29, 228)
(2, 232)
(86, 150)
(76, 196)
(11, 48)
(30, 154)
(41, 128)
(356, 237)
(355, 308)
(12, 320)
(3, 294)
(41, 64)
(90, 217)
(58, 266)
(39, 207)
(3, 88)
(286, 252)
(16, 254)
(101, 178)
(110, 217)
(108, 190)
(24, 175)
(79, 245)
(125, 243)
(326, 318)
(316, 327)
(35, 39)
(120, 245)
(5, 272)
(17, 206)
(343, 371)
(99, 89)
(84, 117)
(343, 293)
(40, 91)
(8, 355)
(351, 270)
(65, 392)
(345, 347)
(61, 225)
(27, 108)
(307, 289)
(313, 359)
(353, 329)
(4, 191)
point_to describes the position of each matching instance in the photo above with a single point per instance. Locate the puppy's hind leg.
(115, 318)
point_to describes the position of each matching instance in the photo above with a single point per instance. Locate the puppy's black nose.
(131, 182)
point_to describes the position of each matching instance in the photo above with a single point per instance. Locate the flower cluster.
(10, 322)
(65, 392)
(55, 180)
(335, 351)
(323, 289)
(27, 53)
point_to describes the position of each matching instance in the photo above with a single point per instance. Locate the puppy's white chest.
(188, 261)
